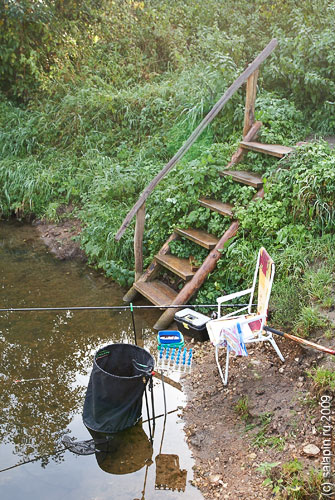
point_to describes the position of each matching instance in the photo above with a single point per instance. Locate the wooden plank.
(154, 267)
(138, 241)
(181, 267)
(200, 276)
(169, 381)
(198, 236)
(249, 113)
(152, 270)
(156, 292)
(251, 135)
(244, 177)
(270, 149)
(195, 134)
(222, 208)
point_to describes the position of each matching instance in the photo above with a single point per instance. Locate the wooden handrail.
(195, 134)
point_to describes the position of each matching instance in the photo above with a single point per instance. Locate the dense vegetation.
(97, 95)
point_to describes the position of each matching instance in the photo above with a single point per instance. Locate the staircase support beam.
(200, 276)
(249, 113)
(251, 135)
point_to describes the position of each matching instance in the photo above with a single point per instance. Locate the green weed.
(289, 480)
(318, 285)
(242, 408)
(262, 439)
(323, 379)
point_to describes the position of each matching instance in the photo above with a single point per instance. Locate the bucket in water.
(113, 400)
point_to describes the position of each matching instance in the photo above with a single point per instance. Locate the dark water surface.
(56, 349)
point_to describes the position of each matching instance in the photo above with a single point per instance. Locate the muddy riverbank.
(268, 414)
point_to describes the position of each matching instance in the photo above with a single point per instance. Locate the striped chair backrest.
(265, 279)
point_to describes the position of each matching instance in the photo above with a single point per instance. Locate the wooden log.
(249, 113)
(138, 242)
(195, 134)
(251, 135)
(130, 295)
(193, 286)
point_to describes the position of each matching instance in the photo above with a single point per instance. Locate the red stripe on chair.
(255, 325)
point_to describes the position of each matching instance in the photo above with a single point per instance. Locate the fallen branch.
(301, 341)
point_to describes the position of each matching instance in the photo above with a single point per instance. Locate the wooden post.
(130, 295)
(138, 241)
(249, 113)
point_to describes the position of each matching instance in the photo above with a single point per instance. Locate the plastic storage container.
(192, 323)
(170, 338)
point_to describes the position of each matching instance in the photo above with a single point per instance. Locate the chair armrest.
(251, 319)
(231, 296)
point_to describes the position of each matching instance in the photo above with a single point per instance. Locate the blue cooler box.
(192, 323)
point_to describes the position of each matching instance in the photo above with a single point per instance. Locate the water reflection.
(45, 363)
(124, 452)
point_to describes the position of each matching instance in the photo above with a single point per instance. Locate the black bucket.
(119, 376)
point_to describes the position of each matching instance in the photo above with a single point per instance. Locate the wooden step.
(223, 208)
(244, 177)
(202, 238)
(270, 149)
(181, 267)
(156, 292)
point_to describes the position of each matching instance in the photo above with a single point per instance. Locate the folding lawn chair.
(238, 328)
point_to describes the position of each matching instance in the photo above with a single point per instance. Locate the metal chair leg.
(276, 348)
(224, 377)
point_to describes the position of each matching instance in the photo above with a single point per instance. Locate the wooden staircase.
(160, 293)
(147, 283)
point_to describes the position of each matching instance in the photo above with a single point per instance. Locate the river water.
(46, 359)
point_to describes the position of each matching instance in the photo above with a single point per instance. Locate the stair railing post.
(138, 241)
(249, 113)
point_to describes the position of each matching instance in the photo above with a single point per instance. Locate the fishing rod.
(301, 341)
(114, 308)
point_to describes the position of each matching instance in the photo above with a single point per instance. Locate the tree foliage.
(98, 94)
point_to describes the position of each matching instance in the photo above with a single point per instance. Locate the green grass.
(262, 438)
(309, 320)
